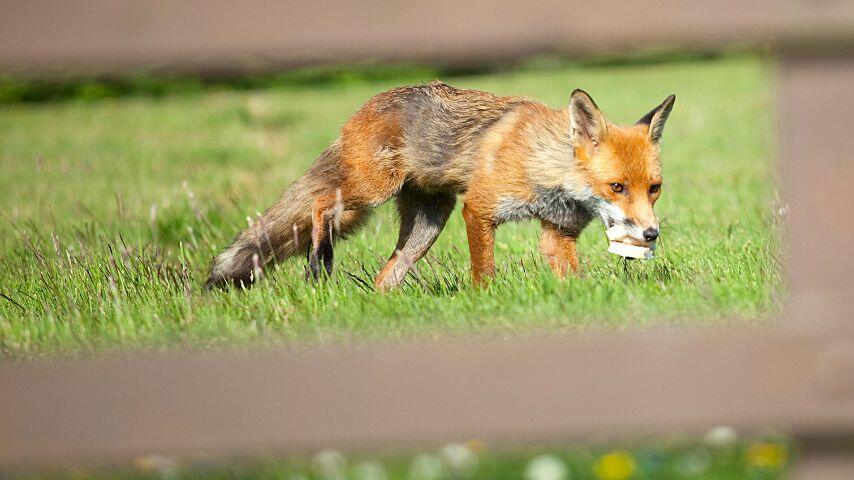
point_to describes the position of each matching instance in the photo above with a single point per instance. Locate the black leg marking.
(320, 254)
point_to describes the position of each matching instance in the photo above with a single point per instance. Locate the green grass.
(760, 458)
(112, 209)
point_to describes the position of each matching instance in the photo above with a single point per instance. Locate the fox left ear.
(657, 117)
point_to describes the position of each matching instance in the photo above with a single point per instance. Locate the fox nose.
(650, 234)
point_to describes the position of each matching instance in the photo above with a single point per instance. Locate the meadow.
(113, 206)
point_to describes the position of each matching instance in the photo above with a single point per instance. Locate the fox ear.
(585, 118)
(657, 117)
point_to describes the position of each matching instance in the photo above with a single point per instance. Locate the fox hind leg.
(422, 218)
(337, 215)
(330, 221)
(320, 249)
(368, 174)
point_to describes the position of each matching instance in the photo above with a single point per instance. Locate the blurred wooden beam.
(110, 36)
(66, 411)
(825, 458)
(816, 104)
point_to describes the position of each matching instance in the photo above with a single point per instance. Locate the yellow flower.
(767, 455)
(476, 445)
(616, 465)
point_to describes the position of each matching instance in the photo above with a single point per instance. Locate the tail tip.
(227, 270)
(218, 282)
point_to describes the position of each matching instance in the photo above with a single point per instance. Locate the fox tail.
(282, 231)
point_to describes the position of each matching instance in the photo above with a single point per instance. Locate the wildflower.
(329, 464)
(616, 465)
(767, 455)
(476, 445)
(458, 457)
(721, 436)
(426, 467)
(369, 470)
(163, 466)
(546, 467)
(694, 463)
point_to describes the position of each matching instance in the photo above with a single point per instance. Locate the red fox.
(509, 158)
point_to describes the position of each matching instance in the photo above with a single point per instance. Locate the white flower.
(329, 464)
(458, 457)
(369, 470)
(426, 467)
(721, 436)
(546, 467)
(164, 466)
(694, 463)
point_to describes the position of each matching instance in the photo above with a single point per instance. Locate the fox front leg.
(558, 248)
(481, 236)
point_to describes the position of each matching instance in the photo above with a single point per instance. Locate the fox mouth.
(634, 241)
(622, 234)
(631, 233)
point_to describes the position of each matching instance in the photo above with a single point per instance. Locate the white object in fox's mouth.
(619, 246)
(627, 250)
(616, 232)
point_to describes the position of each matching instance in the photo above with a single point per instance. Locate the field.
(113, 207)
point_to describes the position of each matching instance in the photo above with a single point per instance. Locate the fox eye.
(617, 187)
(654, 188)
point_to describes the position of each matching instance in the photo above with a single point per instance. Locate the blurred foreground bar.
(816, 106)
(389, 397)
(86, 37)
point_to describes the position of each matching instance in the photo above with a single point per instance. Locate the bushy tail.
(283, 231)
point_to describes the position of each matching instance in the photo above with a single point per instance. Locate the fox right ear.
(585, 118)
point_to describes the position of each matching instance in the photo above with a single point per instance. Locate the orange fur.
(559, 250)
(481, 237)
(371, 166)
(625, 155)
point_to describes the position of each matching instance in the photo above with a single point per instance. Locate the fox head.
(621, 164)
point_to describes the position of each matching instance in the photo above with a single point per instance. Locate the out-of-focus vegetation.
(721, 456)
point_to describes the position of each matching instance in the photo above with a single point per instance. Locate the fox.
(509, 159)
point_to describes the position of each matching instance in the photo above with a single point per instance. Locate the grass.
(758, 458)
(112, 209)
